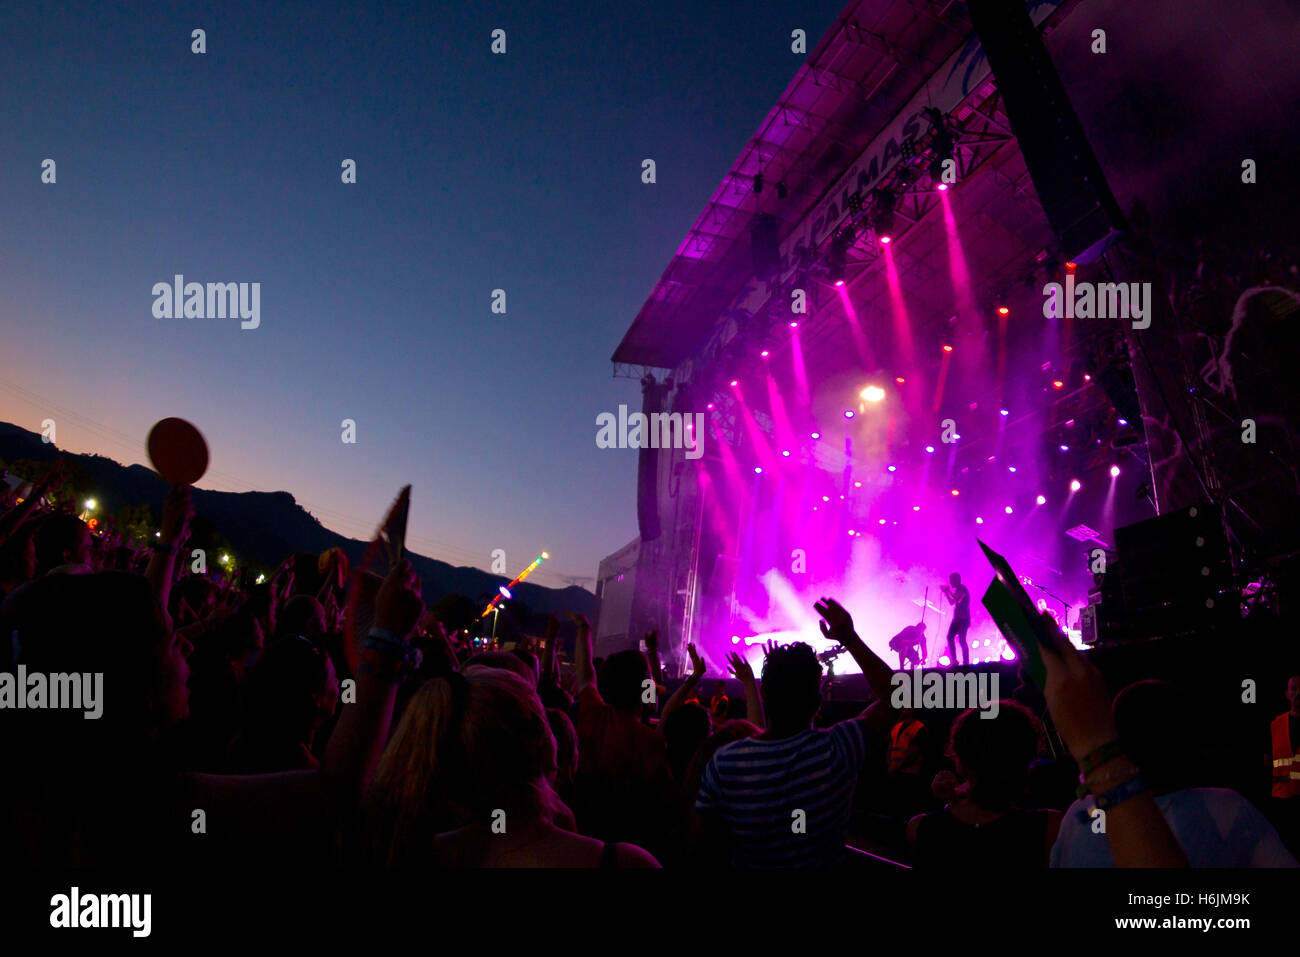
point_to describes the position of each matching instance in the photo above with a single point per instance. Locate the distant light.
(785, 452)
(816, 435)
(947, 348)
(900, 380)
(1071, 267)
(1041, 500)
(1008, 509)
(886, 240)
(758, 470)
(955, 492)
(1114, 471)
(826, 498)
(90, 505)
(735, 639)
(893, 468)
(794, 323)
(839, 282)
(848, 413)
(943, 187)
(735, 382)
(1003, 311)
(882, 521)
(929, 449)
(979, 521)
(857, 485)
(546, 554)
(764, 353)
(1003, 412)
(260, 579)
(873, 393)
(710, 405)
(225, 559)
(1075, 485)
(1069, 423)
(157, 534)
(1065, 448)
(1123, 421)
(850, 532)
(1011, 468)
(916, 508)
(1086, 377)
(505, 592)
(1058, 384)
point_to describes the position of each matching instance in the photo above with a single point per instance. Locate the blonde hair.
(458, 756)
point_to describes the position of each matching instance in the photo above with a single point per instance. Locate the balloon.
(177, 451)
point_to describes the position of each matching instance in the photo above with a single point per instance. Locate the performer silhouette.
(910, 646)
(958, 596)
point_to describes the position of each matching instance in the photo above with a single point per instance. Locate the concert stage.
(914, 314)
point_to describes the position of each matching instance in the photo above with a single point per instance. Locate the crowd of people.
(325, 714)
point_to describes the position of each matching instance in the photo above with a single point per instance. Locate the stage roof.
(879, 55)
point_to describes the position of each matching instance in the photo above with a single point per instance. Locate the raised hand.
(740, 668)
(837, 624)
(398, 604)
(697, 663)
(1076, 693)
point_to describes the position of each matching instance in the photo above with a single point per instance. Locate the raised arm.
(837, 625)
(683, 694)
(753, 700)
(1079, 703)
(178, 509)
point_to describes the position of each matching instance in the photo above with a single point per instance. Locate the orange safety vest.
(1286, 763)
(903, 757)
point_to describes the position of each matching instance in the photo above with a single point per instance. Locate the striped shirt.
(757, 787)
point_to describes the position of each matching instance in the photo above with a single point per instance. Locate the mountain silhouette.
(265, 527)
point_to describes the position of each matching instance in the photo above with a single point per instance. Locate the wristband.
(1121, 793)
(381, 642)
(1104, 754)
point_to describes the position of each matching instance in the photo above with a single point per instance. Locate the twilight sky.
(474, 172)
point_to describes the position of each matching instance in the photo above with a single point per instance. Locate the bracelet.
(1104, 754)
(1100, 783)
(381, 640)
(1123, 792)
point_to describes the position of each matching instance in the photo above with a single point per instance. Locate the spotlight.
(794, 324)
(916, 508)
(1011, 468)
(1123, 421)
(1041, 500)
(1075, 485)
(979, 521)
(1003, 311)
(505, 592)
(900, 380)
(1008, 509)
(735, 382)
(886, 240)
(709, 406)
(943, 187)
(90, 505)
(929, 449)
(873, 393)
(764, 353)
(955, 492)
(1058, 384)
(816, 435)
(1004, 412)
(893, 468)
(839, 282)
(1065, 448)
(758, 470)
(848, 413)
(826, 498)
(947, 348)
(857, 485)
(1071, 267)
(850, 533)
(882, 521)
(1114, 471)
